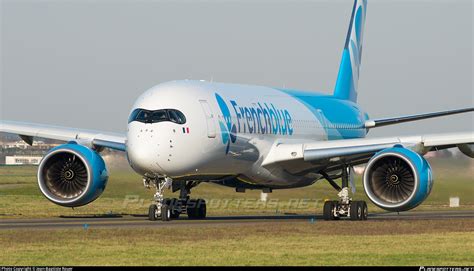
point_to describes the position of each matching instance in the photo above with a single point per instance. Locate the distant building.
(23, 145)
(22, 160)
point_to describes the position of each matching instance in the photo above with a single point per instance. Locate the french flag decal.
(185, 130)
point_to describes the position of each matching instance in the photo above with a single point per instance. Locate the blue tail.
(348, 77)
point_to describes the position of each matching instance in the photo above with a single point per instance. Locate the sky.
(82, 63)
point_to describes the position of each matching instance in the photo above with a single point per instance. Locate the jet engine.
(467, 149)
(397, 179)
(72, 175)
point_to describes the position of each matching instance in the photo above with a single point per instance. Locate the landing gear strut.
(159, 208)
(171, 208)
(345, 206)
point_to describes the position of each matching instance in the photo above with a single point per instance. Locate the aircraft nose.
(142, 151)
(140, 158)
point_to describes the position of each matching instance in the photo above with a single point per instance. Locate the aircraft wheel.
(165, 212)
(152, 212)
(356, 210)
(191, 209)
(328, 208)
(202, 209)
(174, 204)
(174, 215)
(365, 210)
(336, 205)
(196, 209)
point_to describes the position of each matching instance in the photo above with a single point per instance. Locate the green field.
(418, 242)
(446, 242)
(125, 194)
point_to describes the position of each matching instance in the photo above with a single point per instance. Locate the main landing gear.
(345, 206)
(167, 209)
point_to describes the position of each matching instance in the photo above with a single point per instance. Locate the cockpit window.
(158, 116)
(144, 116)
(134, 115)
(176, 116)
(153, 116)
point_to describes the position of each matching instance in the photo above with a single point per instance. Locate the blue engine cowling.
(72, 175)
(397, 179)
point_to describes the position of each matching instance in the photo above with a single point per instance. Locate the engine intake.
(397, 179)
(72, 175)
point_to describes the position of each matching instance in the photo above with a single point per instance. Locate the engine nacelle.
(467, 149)
(397, 179)
(72, 175)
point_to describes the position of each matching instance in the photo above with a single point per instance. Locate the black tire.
(174, 215)
(201, 208)
(335, 203)
(327, 210)
(365, 210)
(191, 209)
(165, 212)
(152, 212)
(356, 210)
(175, 207)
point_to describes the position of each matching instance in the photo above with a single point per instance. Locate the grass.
(290, 243)
(418, 242)
(125, 194)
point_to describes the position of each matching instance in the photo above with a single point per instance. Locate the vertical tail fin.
(348, 77)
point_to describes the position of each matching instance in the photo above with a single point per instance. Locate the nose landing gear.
(159, 208)
(164, 212)
(171, 208)
(345, 206)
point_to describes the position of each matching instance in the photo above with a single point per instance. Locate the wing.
(27, 131)
(390, 121)
(333, 154)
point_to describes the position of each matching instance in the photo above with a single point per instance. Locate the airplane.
(182, 133)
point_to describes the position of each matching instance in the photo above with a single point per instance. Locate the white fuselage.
(228, 131)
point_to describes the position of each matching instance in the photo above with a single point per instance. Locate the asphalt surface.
(123, 221)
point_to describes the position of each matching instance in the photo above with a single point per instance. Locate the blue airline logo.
(228, 129)
(262, 118)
